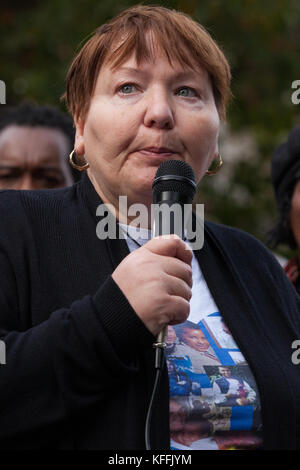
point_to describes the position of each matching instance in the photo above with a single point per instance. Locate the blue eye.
(187, 92)
(127, 88)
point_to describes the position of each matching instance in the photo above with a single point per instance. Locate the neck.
(126, 210)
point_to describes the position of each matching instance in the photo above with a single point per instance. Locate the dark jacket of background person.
(80, 364)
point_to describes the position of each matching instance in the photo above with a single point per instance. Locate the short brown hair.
(180, 37)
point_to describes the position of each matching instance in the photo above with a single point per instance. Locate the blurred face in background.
(33, 158)
(295, 213)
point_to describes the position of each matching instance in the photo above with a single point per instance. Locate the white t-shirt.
(214, 401)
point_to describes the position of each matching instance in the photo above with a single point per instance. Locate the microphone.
(174, 186)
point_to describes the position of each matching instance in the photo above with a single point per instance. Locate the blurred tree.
(261, 39)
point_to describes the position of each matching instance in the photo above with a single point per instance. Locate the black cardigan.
(79, 362)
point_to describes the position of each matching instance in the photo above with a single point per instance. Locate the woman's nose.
(159, 112)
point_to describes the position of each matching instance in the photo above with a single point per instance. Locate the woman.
(79, 314)
(285, 175)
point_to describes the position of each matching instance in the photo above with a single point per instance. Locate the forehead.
(192, 331)
(38, 143)
(150, 43)
(158, 66)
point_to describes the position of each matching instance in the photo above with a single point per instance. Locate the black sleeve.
(67, 362)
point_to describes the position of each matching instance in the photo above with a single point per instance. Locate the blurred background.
(260, 38)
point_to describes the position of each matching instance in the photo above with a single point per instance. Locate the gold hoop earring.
(217, 168)
(83, 167)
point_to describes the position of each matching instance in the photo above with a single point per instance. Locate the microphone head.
(175, 176)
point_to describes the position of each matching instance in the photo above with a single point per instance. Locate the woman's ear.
(79, 136)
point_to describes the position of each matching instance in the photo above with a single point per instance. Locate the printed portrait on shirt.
(232, 386)
(195, 344)
(214, 402)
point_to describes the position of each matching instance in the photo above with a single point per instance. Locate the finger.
(177, 268)
(178, 287)
(180, 309)
(170, 245)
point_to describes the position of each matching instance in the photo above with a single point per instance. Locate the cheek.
(295, 212)
(295, 203)
(203, 137)
(208, 132)
(109, 131)
(295, 215)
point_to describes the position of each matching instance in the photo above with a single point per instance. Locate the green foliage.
(261, 39)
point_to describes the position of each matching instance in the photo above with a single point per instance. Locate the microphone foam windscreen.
(185, 185)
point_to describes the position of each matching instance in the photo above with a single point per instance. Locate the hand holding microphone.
(157, 278)
(157, 281)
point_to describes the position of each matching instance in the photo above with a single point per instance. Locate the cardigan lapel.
(116, 248)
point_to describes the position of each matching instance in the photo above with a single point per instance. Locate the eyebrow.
(14, 160)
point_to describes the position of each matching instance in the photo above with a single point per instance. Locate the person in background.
(34, 144)
(285, 177)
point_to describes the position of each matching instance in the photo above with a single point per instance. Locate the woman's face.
(295, 213)
(142, 115)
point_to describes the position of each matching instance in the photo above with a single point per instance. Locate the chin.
(143, 184)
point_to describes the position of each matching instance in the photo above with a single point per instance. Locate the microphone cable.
(159, 362)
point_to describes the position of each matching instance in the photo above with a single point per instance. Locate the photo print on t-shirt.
(212, 391)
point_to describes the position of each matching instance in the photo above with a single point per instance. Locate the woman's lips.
(154, 152)
(159, 149)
